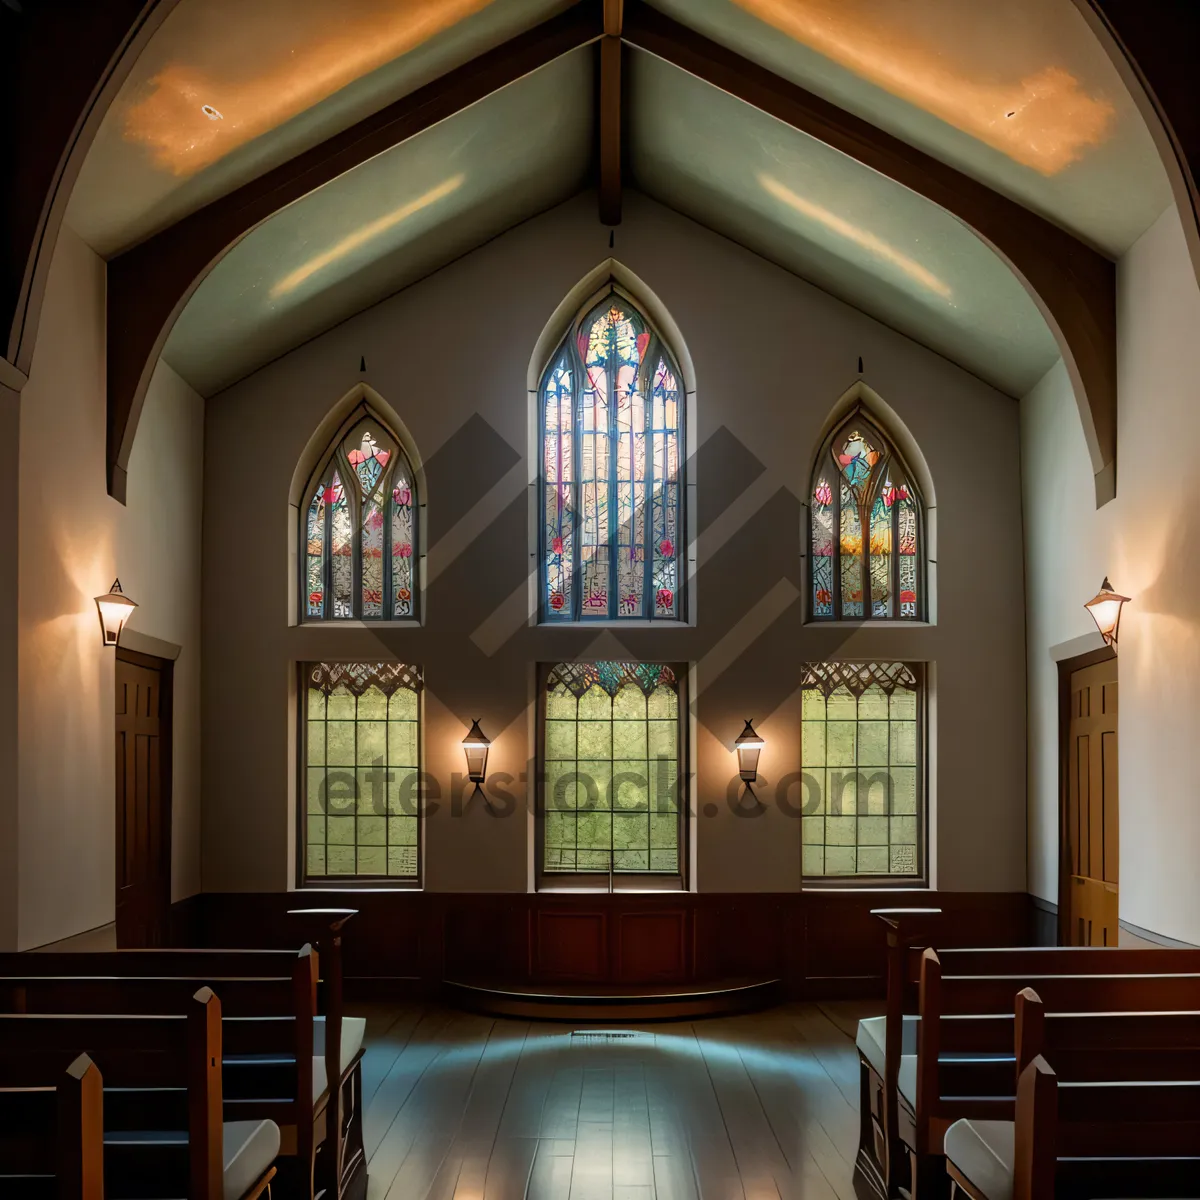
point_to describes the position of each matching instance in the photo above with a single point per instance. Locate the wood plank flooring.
(467, 1107)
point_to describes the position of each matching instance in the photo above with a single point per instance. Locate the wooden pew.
(52, 1138)
(1081, 1048)
(965, 1066)
(163, 1132)
(1086, 1140)
(268, 1062)
(883, 1042)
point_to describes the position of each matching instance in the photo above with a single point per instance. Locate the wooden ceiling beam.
(149, 285)
(1072, 284)
(609, 122)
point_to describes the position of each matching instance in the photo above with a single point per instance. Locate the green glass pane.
(372, 742)
(401, 744)
(560, 739)
(903, 860)
(629, 739)
(404, 792)
(595, 778)
(872, 743)
(339, 743)
(595, 704)
(559, 832)
(873, 704)
(904, 705)
(840, 831)
(371, 788)
(402, 831)
(631, 832)
(402, 705)
(372, 831)
(316, 860)
(664, 831)
(813, 796)
(592, 860)
(812, 830)
(560, 704)
(631, 785)
(372, 705)
(316, 831)
(812, 705)
(872, 831)
(629, 704)
(316, 704)
(316, 742)
(664, 785)
(904, 742)
(841, 792)
(342, 706)
(340, 831)
(813, 860)
(840, 860)
(595, 739)
(340, 791)
(316, 790)
(663, 739)
(402, 861)
(904, 790)
(664, 860)
(564, 790)
(662, 703)
(595, 830)
(372, 860)
(631, 860)
(904, 831)
(874, 786)
(812, 744)
(841, 706)
(872, 860)
(841, 743)
(340, 860)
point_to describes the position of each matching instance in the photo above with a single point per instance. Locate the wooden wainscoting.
(819, 943)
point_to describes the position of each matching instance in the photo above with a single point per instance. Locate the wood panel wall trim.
(1073, 285)
(149, 285)
(611, 114)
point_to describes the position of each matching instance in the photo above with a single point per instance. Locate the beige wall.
(771, 355)
(74, 540)
(1145, 541)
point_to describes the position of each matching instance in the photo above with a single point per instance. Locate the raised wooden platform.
(622, 1003)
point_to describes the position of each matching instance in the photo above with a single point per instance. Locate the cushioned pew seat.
(250, 1147)
(871, 1035)
(982, 1152)
(353, 1031)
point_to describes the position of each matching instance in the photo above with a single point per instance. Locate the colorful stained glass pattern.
(611, 765)
(611, 484)
(862, 812)
(362, 756)
(871, 569)
(360, 532)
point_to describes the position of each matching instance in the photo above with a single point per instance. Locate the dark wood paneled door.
(1091, 807)
(143, 753)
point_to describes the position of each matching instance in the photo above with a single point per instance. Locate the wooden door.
(1091, 807)
(143, 754)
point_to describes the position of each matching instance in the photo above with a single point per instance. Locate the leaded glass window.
(865, 529)
(611, 535)
(360, 531)
(861, 751)
(612, 745)
(362, 753)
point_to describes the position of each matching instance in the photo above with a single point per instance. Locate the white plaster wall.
(772, 355)
(1144, 541)
(74, 539)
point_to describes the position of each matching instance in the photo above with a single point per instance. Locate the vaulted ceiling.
(1019, 97)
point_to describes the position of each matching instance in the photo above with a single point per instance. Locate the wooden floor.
(467, 1106)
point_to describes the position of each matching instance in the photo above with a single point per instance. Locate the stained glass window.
(360, 531)
(361, 732)
(861, 751)
(611, 769)
(864, 528)
(612, 537)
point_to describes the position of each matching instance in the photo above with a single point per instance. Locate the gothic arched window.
(866, 528)
(611, 527)
(360, 531)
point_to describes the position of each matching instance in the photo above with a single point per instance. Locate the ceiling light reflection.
(1040, 116)
(860, 237)
(364, 234)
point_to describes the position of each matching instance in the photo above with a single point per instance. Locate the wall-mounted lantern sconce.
(749, 745)
(115, 609)
(475, 747)
(1105, 607)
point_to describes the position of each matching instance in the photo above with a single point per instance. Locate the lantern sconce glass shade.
(475, 747)
(115, 609)
(1105, 607)
(749, 745)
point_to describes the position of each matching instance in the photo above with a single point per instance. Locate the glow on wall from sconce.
(1042, 118)
(273, 60)
(364, 234)
(860, 237)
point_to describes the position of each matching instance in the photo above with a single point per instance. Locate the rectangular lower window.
(612, 750)
(862, 760)
(360, 730)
